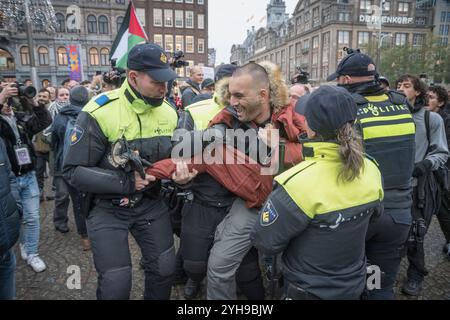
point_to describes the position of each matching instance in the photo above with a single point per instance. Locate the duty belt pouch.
(296, 293)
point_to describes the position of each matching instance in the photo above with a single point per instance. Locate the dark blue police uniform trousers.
(149, 223)
(385, 246)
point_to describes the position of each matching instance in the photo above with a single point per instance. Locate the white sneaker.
(35, 262)
(23, 252)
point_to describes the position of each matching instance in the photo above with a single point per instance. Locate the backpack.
(68, 135)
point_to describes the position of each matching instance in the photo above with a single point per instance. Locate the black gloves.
(421, 168)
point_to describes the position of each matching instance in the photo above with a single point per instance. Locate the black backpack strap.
(427, 127)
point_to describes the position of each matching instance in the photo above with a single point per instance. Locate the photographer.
(17, 130)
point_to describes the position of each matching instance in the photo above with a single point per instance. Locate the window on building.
(387, 6)
(157, 17)
(365, 4)
(43, 56)
(421, 21)
(190, 44)
(443, 16)
(62, 56)
(179, 1)
(200, 2)
(190, 19)
(344, 16)
(168, 40)
(179, 43)
(25, 56)
(92, 24)
(400, 39)
(179, 18)
(168, 17)
(140, 14)
(363, 38)
(443, 30)
(119, 22)
(418, 39)
(158, 39)
(444, 41)
(403, 7)
(344, 37)
(315, 41)
(103, 25)
(189, 1)
(120, 1)
(201, 21)
(104, 56)
(60, 22)
(93, 57)
(201, 45)
(316, 17)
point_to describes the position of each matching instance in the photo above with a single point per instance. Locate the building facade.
(177, 25)
(316, 34)
(90, 24)
(441, 26)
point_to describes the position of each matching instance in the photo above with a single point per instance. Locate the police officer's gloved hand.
(422, 168)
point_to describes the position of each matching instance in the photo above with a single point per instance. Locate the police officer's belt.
(131, 201)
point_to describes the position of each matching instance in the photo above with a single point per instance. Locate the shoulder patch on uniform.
(102, 100)
(77, 134)
(269, 214)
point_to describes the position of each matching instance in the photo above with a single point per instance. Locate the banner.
(74, 60)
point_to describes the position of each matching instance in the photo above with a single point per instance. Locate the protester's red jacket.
(244, 180)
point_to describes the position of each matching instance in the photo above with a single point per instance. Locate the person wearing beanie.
(310, 217)
(64, 122)
(388, 131)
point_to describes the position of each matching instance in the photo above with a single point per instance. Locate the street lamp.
(380, 43)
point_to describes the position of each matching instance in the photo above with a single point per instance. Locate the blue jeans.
(29, 194)
(7, 276)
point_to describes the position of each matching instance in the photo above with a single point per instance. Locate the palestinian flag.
(130, 34)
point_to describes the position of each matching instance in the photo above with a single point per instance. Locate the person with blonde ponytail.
(319, 211)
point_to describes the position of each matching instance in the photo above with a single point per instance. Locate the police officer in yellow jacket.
(137, 117)
(388, 131)
(319, 211)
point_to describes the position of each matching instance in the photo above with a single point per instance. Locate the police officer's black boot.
(192, 289)
(412, 287)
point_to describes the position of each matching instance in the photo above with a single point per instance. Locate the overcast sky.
(230, 19)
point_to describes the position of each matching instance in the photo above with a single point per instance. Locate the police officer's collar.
(320, 150)
(137, 104)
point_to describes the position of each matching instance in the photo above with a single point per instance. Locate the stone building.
(316, 34)
(90, 24)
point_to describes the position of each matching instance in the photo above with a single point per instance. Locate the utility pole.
(34, 77)
(378, 62)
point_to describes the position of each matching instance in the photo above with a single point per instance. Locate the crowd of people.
(361, 169)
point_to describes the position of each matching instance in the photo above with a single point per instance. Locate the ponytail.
(351, 151)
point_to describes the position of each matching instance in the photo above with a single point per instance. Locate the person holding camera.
(388, 132)
(192, 88)
(17, 130)
(137, 118)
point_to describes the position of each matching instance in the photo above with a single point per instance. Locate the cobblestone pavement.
(61, 251)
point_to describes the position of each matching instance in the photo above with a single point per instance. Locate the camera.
(178, 61)
(25, 91)
(116, 76)
(300, 77)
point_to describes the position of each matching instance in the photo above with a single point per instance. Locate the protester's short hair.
(85, 82)
(441, 93)
(45, 90)
(256, 71)
(65, 81)
(418, 84)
